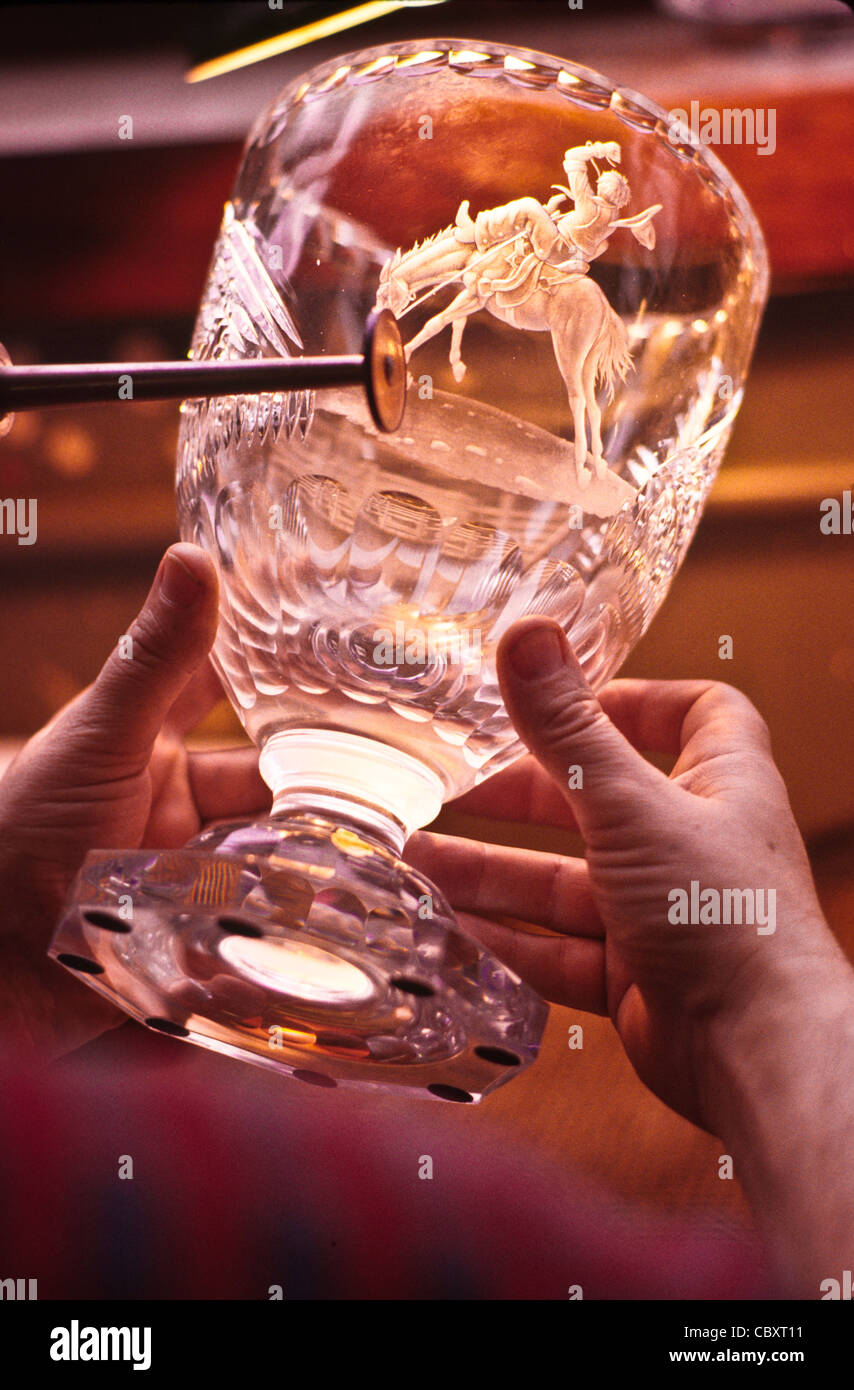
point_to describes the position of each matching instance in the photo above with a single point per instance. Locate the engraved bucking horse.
(526, 263)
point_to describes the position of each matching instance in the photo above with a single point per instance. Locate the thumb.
(145, 673)
(555, 712)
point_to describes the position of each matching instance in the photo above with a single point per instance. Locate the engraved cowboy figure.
(526, 263)
(568, 242)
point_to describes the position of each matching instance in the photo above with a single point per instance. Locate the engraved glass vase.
(560, 437)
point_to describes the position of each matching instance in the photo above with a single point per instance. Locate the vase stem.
(352, 779)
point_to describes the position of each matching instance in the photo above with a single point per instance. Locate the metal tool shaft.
(28, 388)
(381, 369)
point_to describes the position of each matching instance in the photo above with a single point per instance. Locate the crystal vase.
(578, 286)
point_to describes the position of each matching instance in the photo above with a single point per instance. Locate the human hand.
(111, 769)
(721, 819)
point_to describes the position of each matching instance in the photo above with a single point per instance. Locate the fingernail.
(178, 583)
(537, 652)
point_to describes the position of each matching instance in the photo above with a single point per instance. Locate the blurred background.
(104, 247)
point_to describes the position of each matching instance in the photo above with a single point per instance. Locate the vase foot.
(305, 947)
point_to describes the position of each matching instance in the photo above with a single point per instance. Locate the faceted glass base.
(303, 946)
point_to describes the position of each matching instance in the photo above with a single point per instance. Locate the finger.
(650, 714)
(523, 792)
(605, 780)
(174, 631)
(547, 889)
(564, 970)
(226, 782)
(724, 719)
(200, 695)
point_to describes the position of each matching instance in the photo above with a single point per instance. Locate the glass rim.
(686, 153)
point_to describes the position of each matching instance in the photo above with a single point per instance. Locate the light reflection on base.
(299, 970)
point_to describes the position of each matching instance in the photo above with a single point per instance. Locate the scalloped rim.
(359, 60)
